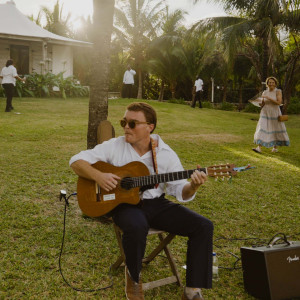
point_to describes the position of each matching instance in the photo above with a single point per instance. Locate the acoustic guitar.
(135, 177)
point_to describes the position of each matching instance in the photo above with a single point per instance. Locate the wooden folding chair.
(165, 239)
(105, 132)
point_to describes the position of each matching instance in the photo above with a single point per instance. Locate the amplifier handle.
(276, 238)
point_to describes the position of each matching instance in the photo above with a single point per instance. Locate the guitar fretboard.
(160, 178)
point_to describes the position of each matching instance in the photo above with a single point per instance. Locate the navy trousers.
(197, 97)
(127, 92)
(9, 92)
(160, 213)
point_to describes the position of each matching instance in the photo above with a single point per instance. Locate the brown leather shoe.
(133, 290)
(198, 296)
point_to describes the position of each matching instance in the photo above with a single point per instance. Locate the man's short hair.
(148, 110)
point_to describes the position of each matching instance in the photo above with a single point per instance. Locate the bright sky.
(85, 7)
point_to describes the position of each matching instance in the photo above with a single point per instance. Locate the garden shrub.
(206, 104)
(294, 106)
(250, 108)
(177, 101)
(2, 91)
(226, 106)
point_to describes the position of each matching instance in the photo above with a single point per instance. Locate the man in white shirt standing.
(128, 81)
(154, 210)
(198, 88)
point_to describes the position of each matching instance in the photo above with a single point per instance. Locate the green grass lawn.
(37, 140)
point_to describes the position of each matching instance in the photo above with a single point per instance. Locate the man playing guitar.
(154, 210)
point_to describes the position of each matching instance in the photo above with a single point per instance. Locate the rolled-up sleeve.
(101, 152)
(174, 188)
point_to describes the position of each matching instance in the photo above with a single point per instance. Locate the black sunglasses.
(131, 123)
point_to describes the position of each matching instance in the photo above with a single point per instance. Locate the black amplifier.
(272, 272)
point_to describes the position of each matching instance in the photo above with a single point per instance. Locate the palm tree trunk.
(98, 105)
(161, 92)
(240, 95)
(173, 88)
(265, 58)
(140, 87)
(224, 98)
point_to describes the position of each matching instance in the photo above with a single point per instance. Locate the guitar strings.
(153, 177)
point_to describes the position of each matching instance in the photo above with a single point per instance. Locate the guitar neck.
(161, 178)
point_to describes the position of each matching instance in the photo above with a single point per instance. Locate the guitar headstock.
(221, 171)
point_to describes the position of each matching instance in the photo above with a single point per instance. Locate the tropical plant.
(39, 85)
(37, 19)
(290, 65)
(50, 85)
(56, 23)
(200, 48)
(84, 32)
(118, 59)
(166, 57)
(168, 63)
(137, 22)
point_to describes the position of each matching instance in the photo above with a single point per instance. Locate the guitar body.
(95, 202)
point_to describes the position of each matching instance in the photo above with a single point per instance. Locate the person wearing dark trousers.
(197, 92)
(128, 81)
(139, 144)
(9, 75)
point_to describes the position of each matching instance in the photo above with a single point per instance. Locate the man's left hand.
(197, 178)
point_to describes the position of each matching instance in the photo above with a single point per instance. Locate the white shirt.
(198, 85)
(118, 153)
(9, 73)
(128, 77)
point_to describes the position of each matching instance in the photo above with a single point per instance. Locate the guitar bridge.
(98, 192)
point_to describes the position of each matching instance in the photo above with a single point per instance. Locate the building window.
(20, 56)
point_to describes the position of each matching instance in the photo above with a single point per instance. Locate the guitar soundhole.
(127, 183)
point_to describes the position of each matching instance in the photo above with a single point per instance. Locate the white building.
(32, 48)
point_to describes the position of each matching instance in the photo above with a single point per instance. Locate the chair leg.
(171, 261)
(121, 258)
(164, 242)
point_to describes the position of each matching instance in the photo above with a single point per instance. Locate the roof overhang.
(73, 43)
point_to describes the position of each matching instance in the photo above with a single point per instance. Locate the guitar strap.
(153, 144)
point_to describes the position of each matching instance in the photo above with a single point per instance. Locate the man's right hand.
(107, 181)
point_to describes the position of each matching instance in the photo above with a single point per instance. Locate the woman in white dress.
(269, 131)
